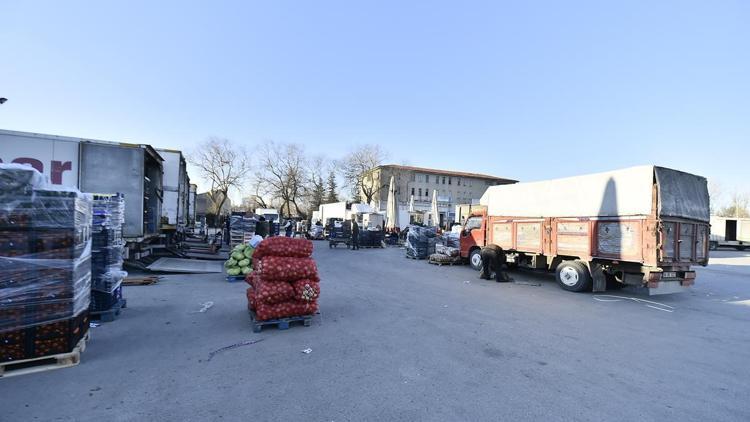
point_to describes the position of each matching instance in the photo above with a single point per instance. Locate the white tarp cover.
(613, 193)
(625, 192)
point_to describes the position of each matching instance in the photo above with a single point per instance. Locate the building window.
(420, 191)
(427, 178)
(443, 179)
(412, 191)
(458, 181)
(449, 180)
(412, 176)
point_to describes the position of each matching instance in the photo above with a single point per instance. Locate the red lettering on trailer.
(58, 167)
(33, 162)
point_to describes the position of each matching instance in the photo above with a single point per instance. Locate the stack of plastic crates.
(45, 265)
(107, 252)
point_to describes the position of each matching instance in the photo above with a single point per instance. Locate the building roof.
(449, 173)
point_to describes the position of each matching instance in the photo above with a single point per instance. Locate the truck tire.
(573, 276)
(713, 245)
(475, 259)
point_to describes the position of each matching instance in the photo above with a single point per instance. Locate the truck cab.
(473, 238)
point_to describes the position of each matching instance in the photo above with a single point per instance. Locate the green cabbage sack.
(240, 247)
(233, 271)
(248, 252)
(246, 270)
(238, 256)
(231, 262)
(243, 263)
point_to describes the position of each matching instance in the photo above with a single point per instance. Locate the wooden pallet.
(110, 314)
(44, 363)
(140, 281)
(440, 263)
(281, 323)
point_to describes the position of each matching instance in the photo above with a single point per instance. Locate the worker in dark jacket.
(355, 234)
(261, 228)
(493, 259)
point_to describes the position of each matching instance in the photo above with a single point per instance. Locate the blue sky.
(527, 90)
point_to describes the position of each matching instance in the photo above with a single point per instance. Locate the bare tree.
(738, 207)
(282, 176)
(224, 165)
(357, 170)
(715, 192)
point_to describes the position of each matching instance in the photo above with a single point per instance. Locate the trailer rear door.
(115, 169)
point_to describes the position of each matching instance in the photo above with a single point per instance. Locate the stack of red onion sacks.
(284, 282)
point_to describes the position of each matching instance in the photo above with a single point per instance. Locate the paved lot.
(403, 340)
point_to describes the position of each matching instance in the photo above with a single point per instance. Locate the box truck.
(642, 226)
(730, 232)
(135, 170)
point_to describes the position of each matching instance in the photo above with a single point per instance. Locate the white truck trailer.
(176, 184)
(135, 170)
(730, 232)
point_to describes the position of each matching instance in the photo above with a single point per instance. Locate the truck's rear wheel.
(475, 259)
(713, 245)
(573, 276)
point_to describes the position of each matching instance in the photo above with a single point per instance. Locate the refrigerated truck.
(730, 232)
(96, 166)
(176, 184)
(642, 226)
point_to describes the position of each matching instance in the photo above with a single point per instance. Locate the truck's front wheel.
(573, 276)
(475, 259)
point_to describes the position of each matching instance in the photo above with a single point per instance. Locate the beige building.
(453, 188)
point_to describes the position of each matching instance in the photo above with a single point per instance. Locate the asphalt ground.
(404, 340)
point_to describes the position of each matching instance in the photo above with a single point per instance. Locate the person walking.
(493, 259)
(288, 228)
(355, 235)
(261, 228)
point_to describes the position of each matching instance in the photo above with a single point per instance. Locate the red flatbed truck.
(641, 226)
